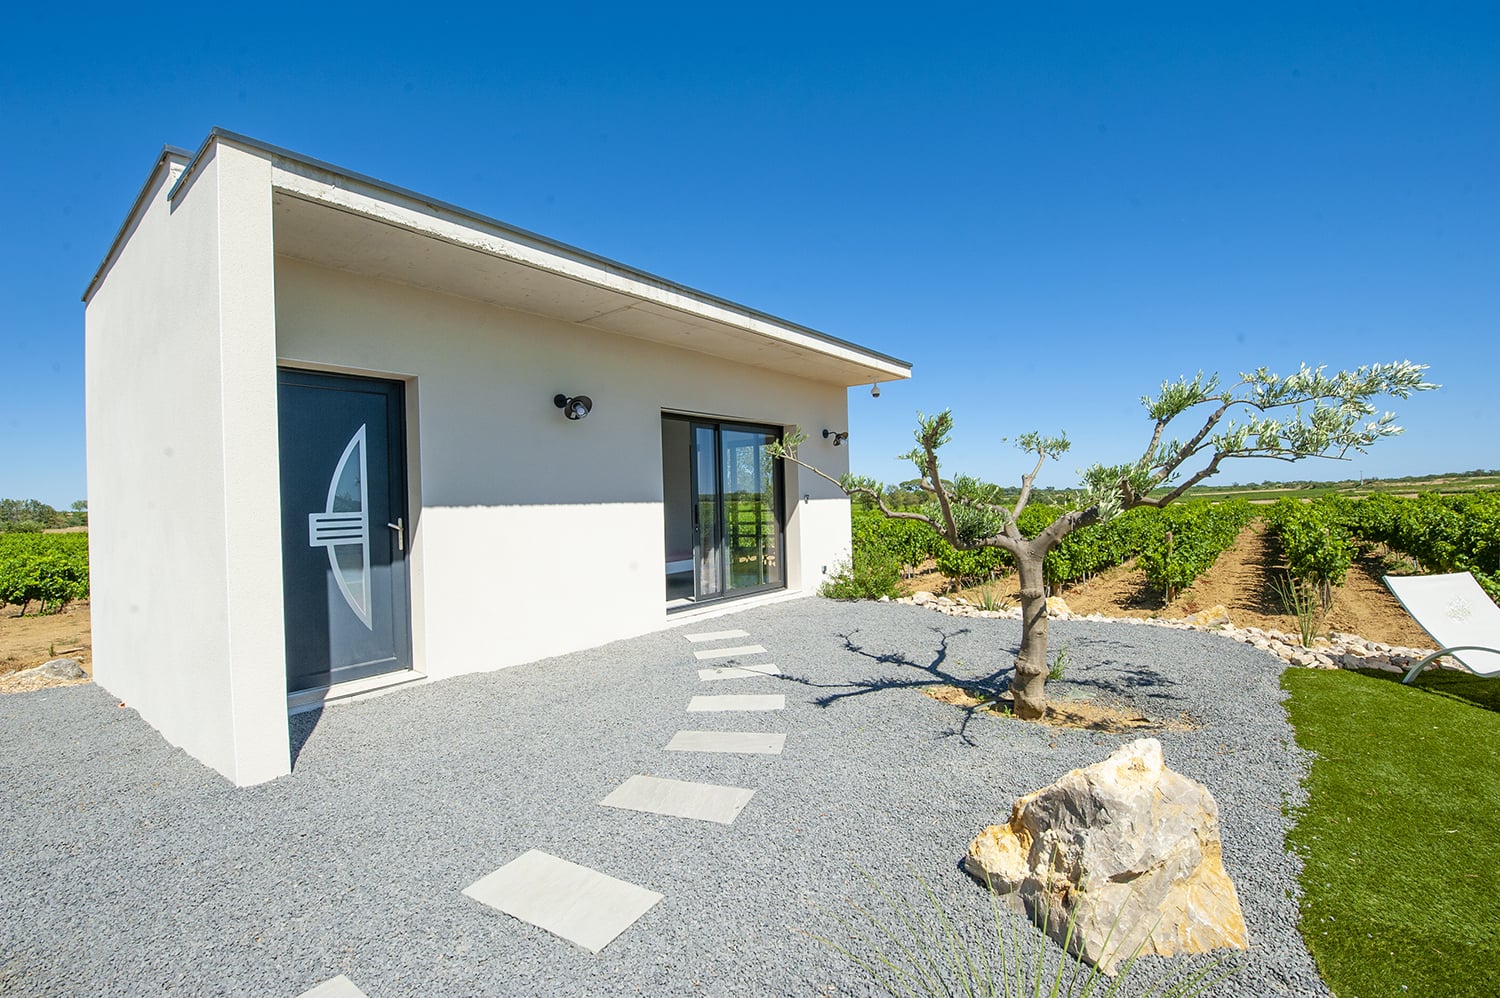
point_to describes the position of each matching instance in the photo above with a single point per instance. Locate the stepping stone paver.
(716, 635)
(742, 742)
(738, 672)
(581, 905)
(334, 987)
(727, 652)
(680, 799)
(739, 701)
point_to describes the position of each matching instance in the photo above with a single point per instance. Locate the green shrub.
(871, 573)
(969, 567)
(1059, 666)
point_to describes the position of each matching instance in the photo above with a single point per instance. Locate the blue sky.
(1047, 209)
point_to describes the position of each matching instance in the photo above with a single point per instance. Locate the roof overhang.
(169, 165)
(333, 218)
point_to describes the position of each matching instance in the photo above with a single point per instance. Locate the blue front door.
(343, 527)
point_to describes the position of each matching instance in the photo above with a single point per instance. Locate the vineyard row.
(50, 570)
(1442, 533)
(1173, 546)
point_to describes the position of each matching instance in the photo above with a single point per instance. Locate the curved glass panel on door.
(343, 527)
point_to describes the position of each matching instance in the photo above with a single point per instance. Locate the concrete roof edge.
(507, 230)
(168, 154)
(191, 162)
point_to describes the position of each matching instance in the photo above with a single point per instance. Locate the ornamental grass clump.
(918, 948)
(990, 598)
(1303, 603)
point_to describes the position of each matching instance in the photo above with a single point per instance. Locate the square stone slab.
(716, 635)
(740, 701)
(581, 905)
(334, 987)
(743, 742)
(738, 672)
(729, 652)
(680, 799)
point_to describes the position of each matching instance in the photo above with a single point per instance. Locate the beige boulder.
(1057, 606)
(1127, 851)
(1215, 616)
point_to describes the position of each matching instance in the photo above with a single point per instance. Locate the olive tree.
(1306, 414)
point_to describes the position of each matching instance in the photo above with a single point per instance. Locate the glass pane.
(706, 561)
(677, 507)
(348, 491)
(351, 568)
(752, 542)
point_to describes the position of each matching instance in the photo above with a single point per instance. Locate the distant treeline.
(1365, 481)
(30, 516)
(909, 495)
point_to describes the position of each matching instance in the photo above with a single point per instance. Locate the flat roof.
(304, 231)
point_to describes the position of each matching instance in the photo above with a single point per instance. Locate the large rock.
(1215, 616)
(57, 668)
(1125, 849)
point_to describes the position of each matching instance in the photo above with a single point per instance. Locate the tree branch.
(1065, 525)
(1160, 501)
(1026, 483)
(940, 493)
(1192, 447)
(1149, 457)
(864, 490)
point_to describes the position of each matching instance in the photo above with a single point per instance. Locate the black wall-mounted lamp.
(838, 438)
(575, 407)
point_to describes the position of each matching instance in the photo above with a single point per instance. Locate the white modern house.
(342, 437)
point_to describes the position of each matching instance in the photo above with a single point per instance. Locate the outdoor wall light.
(575, 407)
(838, 438)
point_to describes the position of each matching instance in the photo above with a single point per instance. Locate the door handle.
(400, 530)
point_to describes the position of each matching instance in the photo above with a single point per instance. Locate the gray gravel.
(127, 868)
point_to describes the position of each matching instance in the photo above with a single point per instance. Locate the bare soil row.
(1243, 580)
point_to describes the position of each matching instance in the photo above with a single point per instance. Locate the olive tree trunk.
(1029, 685)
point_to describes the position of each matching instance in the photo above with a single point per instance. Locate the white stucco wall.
(182, 470)
(535, 535)
(531, 535)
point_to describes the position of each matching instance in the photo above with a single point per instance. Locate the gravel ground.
(127, 868)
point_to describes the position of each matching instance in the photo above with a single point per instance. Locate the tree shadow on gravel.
(930, 674)
(1125, 675)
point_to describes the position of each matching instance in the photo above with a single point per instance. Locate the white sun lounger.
(1458, 614)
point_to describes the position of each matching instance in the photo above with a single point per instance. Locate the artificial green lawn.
(1400, 836)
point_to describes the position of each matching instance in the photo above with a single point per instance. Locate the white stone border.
(1343, 651)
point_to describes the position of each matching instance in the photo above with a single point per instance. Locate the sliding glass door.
(722, 497)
